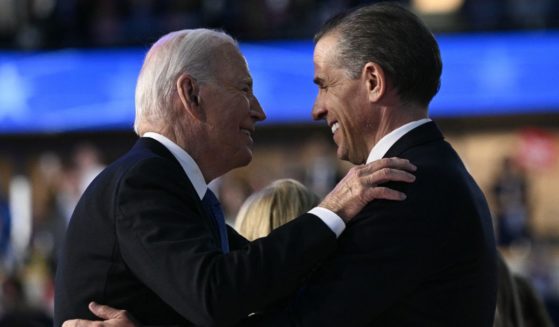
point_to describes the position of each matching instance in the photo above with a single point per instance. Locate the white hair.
(192, 51)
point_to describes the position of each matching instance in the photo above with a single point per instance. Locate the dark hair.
(395, 39)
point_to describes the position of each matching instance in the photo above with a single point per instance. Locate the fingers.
(389, 174)
(395, 163)
(387, 169)
(82, 323)
(103, 311)
(360, 186)
(383, 193)
(70, 323)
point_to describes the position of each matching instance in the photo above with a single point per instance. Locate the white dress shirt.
(387, 141)
(194, 174)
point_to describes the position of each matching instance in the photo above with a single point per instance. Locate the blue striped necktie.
(211, 203)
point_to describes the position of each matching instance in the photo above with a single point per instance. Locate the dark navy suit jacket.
(140, 240)
(427, 261)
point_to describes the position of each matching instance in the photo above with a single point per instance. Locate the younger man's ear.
(375, 79)
(188, 91)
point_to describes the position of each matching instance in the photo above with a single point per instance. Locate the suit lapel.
(425, 133)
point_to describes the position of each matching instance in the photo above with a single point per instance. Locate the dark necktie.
(211, 203)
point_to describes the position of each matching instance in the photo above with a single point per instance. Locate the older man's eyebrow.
(247, 81)
(318, 81)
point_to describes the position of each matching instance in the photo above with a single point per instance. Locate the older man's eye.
(247, 90)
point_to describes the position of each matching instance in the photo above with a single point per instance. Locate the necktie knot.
(212, 204)
(210, 199)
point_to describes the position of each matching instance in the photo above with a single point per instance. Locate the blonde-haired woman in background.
(272, 207)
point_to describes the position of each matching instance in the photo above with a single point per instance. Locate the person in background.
(512, 206)
(15, 308)
(518, 305)
(273, 206)
(534, 312)
(147, 235)
(5, 227)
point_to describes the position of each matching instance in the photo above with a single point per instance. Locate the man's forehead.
(325, 49)
(324, 58)
(247, 77)
(233, 66)
(235, 77)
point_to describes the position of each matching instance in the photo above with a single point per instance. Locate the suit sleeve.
(236, 240)
(165, 241)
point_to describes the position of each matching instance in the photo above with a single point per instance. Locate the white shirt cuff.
(332, 220)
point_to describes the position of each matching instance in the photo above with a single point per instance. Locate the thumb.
(103, 311)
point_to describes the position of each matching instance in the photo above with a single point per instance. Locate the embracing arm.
(166, 244)
(166, 241)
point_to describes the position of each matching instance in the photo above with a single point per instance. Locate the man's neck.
(184, 137)
(195, 150)
(393, 117)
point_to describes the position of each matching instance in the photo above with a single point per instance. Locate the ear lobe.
(376, 81)
(188, 91)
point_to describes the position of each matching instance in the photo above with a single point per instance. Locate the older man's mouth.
(335, 127)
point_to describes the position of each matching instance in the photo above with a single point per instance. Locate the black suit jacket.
(427, 261)
(139, 239)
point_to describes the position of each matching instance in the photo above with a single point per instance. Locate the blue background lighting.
(66, 90)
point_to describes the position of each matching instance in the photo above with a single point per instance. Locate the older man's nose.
(256, 110)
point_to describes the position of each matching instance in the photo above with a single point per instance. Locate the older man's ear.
(188, 90)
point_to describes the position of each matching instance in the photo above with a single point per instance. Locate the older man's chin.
(245, 159)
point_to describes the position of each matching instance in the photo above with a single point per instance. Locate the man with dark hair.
(429, 260)
(393, 38)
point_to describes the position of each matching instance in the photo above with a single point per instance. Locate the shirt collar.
(387, 141)
(188, 164)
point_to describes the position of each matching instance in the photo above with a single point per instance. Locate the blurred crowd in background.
(51, 171)
(38, 24)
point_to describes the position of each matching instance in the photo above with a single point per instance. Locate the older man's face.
(342, 102)
(232, 110)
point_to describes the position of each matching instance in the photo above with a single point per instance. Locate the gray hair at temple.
(395, 39)
(193, 51)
